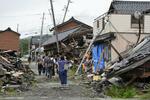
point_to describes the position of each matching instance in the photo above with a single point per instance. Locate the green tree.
(24, 46)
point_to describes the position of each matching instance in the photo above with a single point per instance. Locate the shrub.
(121, 92)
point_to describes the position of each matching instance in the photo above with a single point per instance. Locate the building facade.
(9, 40)
(120, 20)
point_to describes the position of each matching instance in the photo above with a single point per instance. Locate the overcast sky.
(28, 13)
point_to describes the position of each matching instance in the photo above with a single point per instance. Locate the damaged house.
(125, 28)
(71, 34)
(122, 23)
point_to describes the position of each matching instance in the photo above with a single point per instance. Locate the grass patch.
(72, 71)
(10, 91)
(146, 96)
(121, 92)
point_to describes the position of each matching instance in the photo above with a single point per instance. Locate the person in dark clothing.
(53, 66)
(53, 70)
(46, 61)
(50, 67)
(56, 65)
(43, 69)
(40, 65)
(29, 59)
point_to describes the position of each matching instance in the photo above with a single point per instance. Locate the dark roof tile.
(10, 30)
(129, 7)
(61, 36)
(35, 39)
(72, 19)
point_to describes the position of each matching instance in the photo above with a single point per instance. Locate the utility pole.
(17, 28)
(40, 42)
(66, 11)
(53, 15)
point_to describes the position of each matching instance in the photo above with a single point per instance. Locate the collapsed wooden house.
(71, 34)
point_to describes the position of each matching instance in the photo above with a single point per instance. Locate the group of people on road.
(48, 65)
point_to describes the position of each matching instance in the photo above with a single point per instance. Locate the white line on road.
(12, 98)
(44, 97)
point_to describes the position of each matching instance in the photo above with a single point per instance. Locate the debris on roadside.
(133, 69)
(13, 74)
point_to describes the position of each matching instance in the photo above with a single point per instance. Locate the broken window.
(135, 22)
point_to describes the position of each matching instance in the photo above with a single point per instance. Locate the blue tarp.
(96, 55)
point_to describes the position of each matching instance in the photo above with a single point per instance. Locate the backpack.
(50, 63)
(39, 61)
(46, 61)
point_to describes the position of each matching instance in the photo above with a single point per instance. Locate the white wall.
(121, 44)
(95, 29)
(147, 24)
(122, 23)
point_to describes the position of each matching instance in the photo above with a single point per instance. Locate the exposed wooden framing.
(130, 67)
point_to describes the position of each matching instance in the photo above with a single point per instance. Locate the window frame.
(135, 22)
(97, 23)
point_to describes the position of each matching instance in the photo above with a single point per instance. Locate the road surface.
(46, 89)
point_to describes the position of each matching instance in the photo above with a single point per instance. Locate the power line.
(38, 14)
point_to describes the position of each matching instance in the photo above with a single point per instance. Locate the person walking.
(29, 59)
(50, 67)
(43, 69)
(46, 61)
(40, 65)
(62, 71)
(53, 66)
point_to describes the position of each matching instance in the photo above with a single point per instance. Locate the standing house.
(9, 40)
(35, 40)
(69, 33)
(34, 44)
(121, 22)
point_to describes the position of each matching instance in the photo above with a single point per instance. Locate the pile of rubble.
(133, 68)
(13, 74)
